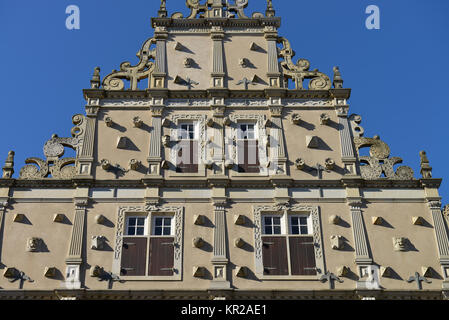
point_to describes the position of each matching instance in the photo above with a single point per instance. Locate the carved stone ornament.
(98, 242)
(329, 164)
(338, 80)
(198, 242)
(334, 219)
(241, 272)
(199, 220)
(143, 70)
(216, 9)
(54, 165)
(188, 62)
(199, 272)
(300, 71)
(8, 169)
(418, 221)
(33, 244)
(50, 272)
(296, 118)
(445, 210)
(324, 118)
(239, 220)
(137, 122)
(99, 219)
(426, 169)
(239, 242)
(59, 217)
(300, 163)
(400, 244)
(377, 220)
(343, 271)
(105, 164)
(379, 161)
(19, 217)
(337, 242)
(134, 164)
(386, 271)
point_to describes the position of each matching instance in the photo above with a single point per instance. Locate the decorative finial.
(338, 80)
(270, 9)
(8, 169)
(162, 13)
(95, 82)
(426, 169)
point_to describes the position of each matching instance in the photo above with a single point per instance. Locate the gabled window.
(247, 148)
(187, 152)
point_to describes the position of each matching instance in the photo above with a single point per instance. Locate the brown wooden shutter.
(187, 157)
(248, 156)
(274, 253)
(134, 254)
(161, 256)
(302, 256)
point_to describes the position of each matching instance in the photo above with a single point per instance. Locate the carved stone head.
(400, 244)
(33, 244)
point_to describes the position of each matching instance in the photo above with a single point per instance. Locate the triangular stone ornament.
(239, 219)
(50, 272)
(122, 142)
(256, 79)
(59, 217)
(418, 221)
(10, 272)
(100, 218)
(342, 271)
(19, 217)
(166, 123)
(199, 272)
(199, 220)
(254, 46)
(241, 272)
(312, 142)
(377, 220)
(178, 80)
(165, 164)
(386, 271)
(178, 46)
(427, 271)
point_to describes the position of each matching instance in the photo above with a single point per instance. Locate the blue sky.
(398, 74)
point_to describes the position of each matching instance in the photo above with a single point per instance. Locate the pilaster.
(160, 72)
(220, 258)
(347, 147)
(218, 64)
(442, 238)
(75, 257)
(274, 73)
(155, 154)
(276, 138)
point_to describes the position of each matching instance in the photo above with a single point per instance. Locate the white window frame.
(309, 224)
(145, 226)
(282, 224)
(153, 225)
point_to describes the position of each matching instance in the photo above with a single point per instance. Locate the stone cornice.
(254, 182)
(208, 22)
(340, 93)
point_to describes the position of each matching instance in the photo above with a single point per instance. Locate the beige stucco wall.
(57, 236)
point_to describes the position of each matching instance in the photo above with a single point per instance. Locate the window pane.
(131, 231)
(267, 220)
(158, 231)
(294, 221)
(295, 230)
(158, 222)
(166, 231)
(277, 230)
(268, 230)
(277, 221)
(132, 221)
(139, 231)
(304, 230)
(140, 221)
(303, 220)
